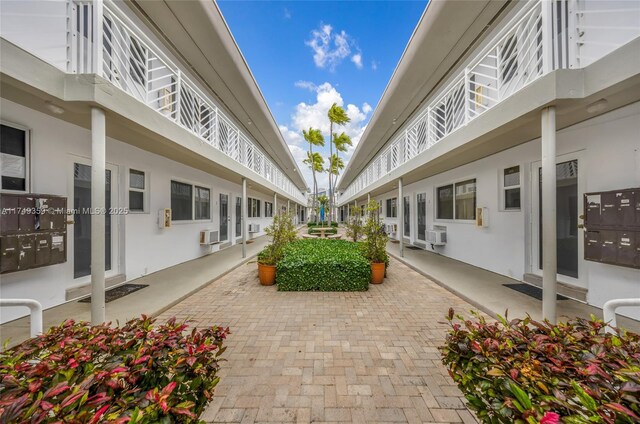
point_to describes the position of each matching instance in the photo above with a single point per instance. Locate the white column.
(401, 217)
(275, 204)
(288, 206)
(97, 24)
(368, 201)
(549, 235)
(98, 168)
(245, 217)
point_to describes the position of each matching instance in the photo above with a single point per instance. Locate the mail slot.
(626, 248)
(626, 208)
(10, 217)
(27, 258)
(592, 246)
(43, 249)
(9, 253)
(609, 212)
(58, 247)
(593, 206)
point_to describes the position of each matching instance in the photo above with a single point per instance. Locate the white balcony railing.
(543, 36)
(87, 36)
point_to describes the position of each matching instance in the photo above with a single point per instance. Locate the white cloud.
(374, 65)
(315, 115)
(307, 85)
(357, 60)
(330, 47)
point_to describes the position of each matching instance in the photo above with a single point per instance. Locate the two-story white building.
(145, 112)
(498, 119)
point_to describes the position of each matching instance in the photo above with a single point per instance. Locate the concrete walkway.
(166, 288)
(484, 289)
(361, 357)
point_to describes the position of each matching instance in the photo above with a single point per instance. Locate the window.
(14, 155)
(181, 201)
(203, 203)
(445, 202)
(465, 207)
(137, 191)
(268, 209)
(457, 201)
(253, 206)
(511, 188)
(392, 208)
(421, 200)
(190, 202)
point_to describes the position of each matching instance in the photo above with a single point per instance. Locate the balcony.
(87, 37)
(543, 36)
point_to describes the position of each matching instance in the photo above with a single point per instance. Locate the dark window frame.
(391, 207)
(27, 159)
(511, 187)
(452, 212)
(143, 191)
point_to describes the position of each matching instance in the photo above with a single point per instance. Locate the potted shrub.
(375, 245)
(282, 231)
(354, 227)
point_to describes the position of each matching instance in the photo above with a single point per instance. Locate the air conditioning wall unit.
(254, 228)
(208, 237)
(437, 237)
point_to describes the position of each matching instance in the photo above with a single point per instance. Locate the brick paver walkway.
(330, 357)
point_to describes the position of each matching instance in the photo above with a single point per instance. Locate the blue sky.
(307, 55)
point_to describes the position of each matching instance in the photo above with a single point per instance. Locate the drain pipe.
(35, 309)
(609, 311)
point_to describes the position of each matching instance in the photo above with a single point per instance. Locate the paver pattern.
(330, 357)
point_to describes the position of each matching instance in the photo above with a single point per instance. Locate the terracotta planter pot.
(267, 274)
(377, 272)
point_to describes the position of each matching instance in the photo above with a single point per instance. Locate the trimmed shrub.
(523, 371)
(130, 374)
(314, 230)
(323, 265)
(322, 224)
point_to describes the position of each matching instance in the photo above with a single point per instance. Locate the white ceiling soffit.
(445, 34)
(198, 34)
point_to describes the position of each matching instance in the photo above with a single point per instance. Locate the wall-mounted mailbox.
(33, 231)
(612, 223)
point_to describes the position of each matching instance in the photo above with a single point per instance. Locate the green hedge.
(523, 371)
(322, 224)
(323, 265)
(313, 230)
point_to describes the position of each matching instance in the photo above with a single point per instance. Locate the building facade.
(158, 97)
(489, 102)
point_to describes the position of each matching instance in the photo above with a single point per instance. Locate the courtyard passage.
(330, 357)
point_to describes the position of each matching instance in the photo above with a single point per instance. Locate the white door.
(569, 207)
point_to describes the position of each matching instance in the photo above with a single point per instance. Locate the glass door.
(567, 211)
(407, 217)
(224, 217)
(238, 216)
(421, 203)
(82, 220)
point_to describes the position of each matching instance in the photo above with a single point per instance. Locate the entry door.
(421, 211)
(224, 217)
(406, 211)
(82, 220)
(238, 216)
(568, 210)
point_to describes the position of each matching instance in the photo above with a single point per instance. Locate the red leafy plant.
(137, 373)
(524, 371)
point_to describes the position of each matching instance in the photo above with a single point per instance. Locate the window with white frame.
(14, 158)
(253, 206)
(190, 202)
(202, 203)
(268, 209)
(457, 201)
(511, 181)
(137, 191)
(392, 208)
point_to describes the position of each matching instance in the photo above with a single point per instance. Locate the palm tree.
(342, 143)
(314, 138)
(315, 161)
(335, 165)
(338, 116)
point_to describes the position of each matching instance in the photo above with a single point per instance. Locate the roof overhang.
(447, 32)
(198, 35)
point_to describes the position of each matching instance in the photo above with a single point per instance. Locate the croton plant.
(137, 373)
(523, 371)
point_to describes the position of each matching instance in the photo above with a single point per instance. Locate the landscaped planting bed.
(323, 265)
(78, 373)
(522, 371)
